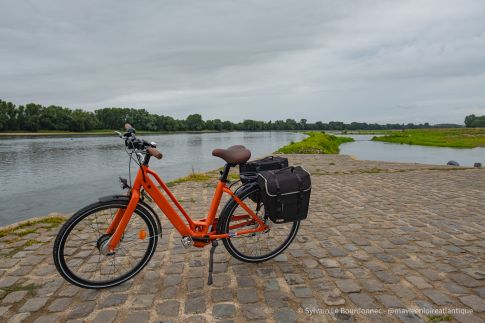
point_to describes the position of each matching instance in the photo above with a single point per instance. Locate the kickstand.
(211, 261)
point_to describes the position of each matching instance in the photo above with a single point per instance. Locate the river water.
(39, 175)
(365, 149)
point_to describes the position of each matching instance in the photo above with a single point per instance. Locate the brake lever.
(119, 134)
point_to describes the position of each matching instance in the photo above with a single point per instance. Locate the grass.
(16, 250)
(440, 318)
(203, 177)
(192, 177)
(366, 132)
(25, 232)
(455, 138)
(24, 229)
(32, 242)
(30, 288)
(51, 222)
(316, 143)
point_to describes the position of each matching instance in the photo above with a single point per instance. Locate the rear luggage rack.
(248, 172)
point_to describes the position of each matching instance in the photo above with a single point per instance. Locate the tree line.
(472, 121)
(35, 117)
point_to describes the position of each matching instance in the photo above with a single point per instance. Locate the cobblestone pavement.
(379, 236)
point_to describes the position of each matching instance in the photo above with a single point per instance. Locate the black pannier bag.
(249, 172)
(285, 193)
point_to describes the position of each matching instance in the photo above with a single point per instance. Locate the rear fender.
(241, 189)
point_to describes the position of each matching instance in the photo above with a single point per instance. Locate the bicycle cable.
(130, 154)
(129, 165)
(137, 161)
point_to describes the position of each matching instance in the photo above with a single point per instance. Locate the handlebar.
(155, 153)
(139, 144)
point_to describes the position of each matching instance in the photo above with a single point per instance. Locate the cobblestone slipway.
(379, 236)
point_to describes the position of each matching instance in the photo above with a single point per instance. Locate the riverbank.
(315, 143)
(388, 243)
(45, 133)
(453, 137)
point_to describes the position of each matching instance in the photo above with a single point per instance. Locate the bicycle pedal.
(187, 242)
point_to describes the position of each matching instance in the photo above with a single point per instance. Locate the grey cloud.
(320, 60)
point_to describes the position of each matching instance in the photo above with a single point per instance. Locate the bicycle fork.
(117, 227)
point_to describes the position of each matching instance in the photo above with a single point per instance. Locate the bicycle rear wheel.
(78, 248)
(254, 247)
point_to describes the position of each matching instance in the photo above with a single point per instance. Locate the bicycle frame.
(198, 230)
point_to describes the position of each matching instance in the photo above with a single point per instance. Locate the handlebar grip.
(155, 153)
(129, 128)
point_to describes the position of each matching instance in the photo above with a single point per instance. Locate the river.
(365, 149)
(39, 175)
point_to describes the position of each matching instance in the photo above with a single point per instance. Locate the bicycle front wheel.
(78, 252)
(254, 247)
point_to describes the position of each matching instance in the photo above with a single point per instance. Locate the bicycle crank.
(187, 242)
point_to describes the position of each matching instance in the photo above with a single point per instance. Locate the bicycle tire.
(247, 195)
(59, 253)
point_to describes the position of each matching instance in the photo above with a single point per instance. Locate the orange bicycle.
(110, 241)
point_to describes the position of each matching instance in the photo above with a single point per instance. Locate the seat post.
(225, 172)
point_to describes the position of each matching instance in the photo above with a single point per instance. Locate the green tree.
(472, 121)
(32, 115)
(112, 118)
(83, 121)
(291, 124)
(209, 125)
(469, 120)
(248, 125)
(303, 124)
(55, 118)
(227, 125)
(194, 122)
(217, 124)
(4, 115)
(279, 125)
(169, 124)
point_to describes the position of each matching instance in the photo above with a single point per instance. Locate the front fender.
(144, 205)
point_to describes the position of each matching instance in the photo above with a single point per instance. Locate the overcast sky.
(374, 61)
